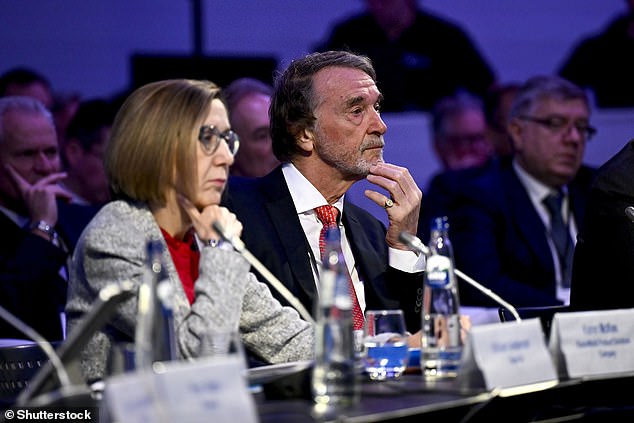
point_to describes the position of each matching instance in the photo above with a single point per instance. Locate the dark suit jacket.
(603, 267)
(273, 233)
(498, 237)
(31, 287)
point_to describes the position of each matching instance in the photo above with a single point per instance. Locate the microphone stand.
(37, 392)
(239, 246)
(415, 244)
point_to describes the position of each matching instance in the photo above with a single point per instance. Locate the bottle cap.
(440, 223)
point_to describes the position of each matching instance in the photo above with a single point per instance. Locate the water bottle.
(154, 335)
(441, 346)
(334, 376)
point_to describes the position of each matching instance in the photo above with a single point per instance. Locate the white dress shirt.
(306, 198)
(537, 191)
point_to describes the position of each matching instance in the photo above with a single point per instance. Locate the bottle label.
(327, 283)
(437, 269)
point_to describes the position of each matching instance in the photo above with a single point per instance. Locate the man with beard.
(328, 133)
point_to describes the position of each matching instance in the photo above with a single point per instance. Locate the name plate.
(212, 389)
(505, 355)
(593, 343)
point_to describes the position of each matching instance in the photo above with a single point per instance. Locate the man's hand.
(403, 204)
(40, 198)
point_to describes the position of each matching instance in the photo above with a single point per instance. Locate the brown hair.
(154, 139)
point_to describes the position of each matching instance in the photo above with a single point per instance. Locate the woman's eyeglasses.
(209, 136)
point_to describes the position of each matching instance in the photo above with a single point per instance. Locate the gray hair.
(241, 87)
(539, 88)
(21, 104)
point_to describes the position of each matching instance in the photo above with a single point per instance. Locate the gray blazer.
(112, 248)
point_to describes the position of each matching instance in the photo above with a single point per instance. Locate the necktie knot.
(553, 203)
(327, 215)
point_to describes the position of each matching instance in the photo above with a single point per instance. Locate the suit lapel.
(371, 266)
(279, 205)
(528, 222)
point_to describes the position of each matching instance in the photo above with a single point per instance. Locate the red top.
(186, 257)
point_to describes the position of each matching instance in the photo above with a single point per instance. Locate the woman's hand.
(202, 220)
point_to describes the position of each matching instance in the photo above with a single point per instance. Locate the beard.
(353, 163)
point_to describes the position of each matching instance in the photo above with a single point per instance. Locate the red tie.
(328, 217)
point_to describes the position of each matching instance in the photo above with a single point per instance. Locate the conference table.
(603, 399)
(412, 399)
(285, 398)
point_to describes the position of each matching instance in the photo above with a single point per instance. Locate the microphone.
(109, 298)
(239, 246)
(415, 244)
(629, 212)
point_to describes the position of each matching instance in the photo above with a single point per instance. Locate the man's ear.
(306, 140)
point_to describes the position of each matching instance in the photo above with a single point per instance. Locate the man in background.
(514, 222)
(28, 83)
(248, 101)
(39, 229)
(419, 57)
(460, 132)
(460, 139)
(83, 152)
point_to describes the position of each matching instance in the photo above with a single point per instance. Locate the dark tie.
(328, 217)
(560, 235)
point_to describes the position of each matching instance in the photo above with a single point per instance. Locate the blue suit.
(31, 286)
(498, 237)
(273, 233)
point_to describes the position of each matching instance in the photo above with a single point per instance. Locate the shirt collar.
(305, 196)
(536, 189)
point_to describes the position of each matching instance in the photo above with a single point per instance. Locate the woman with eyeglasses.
(167, 163)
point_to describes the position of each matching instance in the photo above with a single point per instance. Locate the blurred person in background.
(514, 222)
(460, 132)
(39, 228)
(460, 139)
(604, 62)
(419, 57)
(28, 83)
(497, 105)
(248, 101)
(83, 152)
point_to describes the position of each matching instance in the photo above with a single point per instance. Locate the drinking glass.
(385, 343)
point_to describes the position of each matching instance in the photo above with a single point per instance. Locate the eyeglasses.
(209, 136)
(559, 125)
